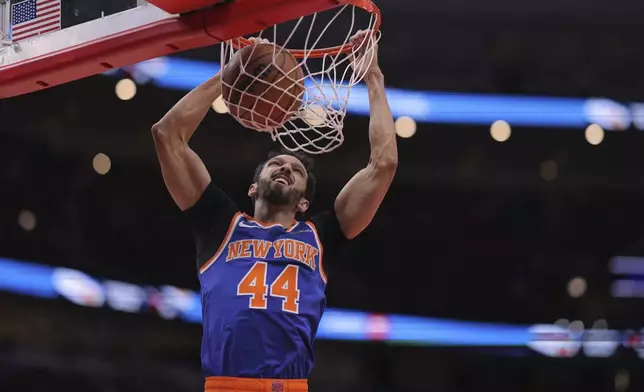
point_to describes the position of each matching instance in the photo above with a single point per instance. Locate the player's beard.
(278, 195)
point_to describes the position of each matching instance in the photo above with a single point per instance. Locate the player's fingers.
(258, 40)
(361, 38)
(357, 37)
(360, 46)
(356, 43)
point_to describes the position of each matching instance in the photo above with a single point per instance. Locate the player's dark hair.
(306, 161)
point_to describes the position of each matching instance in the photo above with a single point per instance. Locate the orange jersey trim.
(317, 238)
(266, 225)
(234, 384)
(229, 234)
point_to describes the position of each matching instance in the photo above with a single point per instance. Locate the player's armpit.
(184, 173)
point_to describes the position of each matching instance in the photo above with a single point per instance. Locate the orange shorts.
(233, 384)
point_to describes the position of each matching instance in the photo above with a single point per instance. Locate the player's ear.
(252, 191)
(303, 205)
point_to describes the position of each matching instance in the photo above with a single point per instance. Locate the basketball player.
(262, 277)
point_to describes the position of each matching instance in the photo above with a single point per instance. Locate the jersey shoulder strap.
(229, 234)
(311, 225)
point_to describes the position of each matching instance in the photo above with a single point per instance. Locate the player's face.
(282, 182)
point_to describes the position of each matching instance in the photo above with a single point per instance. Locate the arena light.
(577, 287)
(314, 115)
(627, 265)
(622, 380)
(125, 89)
(169, 302)
(638, 115)
(101, 163)
(562, 339)
(549, 170)
(594, 134)
(576, 327)
(220, 106)
(562, 323)
(600, 324)
(405, 126)
(27, 220)
(500, 130)
(432, 107)
(627, 288)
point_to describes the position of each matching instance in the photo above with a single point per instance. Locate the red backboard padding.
(179, 33)
(99, 56)
(182, 6)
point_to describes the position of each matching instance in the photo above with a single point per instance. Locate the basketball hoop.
(329, 67)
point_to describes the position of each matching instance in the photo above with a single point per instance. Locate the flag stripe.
(47, 2)
(31, 26)
(44, 24)
(36, 31)
(50, 7)
(41, 32)
(36, 24)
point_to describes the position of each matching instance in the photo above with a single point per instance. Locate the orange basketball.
(262, 85)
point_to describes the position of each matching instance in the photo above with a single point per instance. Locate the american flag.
(34, 17)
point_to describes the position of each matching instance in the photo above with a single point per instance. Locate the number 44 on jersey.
(285, 287)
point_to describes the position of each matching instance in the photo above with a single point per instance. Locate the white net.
(321, 92)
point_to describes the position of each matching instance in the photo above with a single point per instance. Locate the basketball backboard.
(135, 35)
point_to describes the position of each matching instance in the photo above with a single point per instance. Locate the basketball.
(262, 85)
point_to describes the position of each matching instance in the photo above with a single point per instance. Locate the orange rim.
(366, 5)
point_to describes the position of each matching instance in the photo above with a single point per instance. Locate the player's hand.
(259, 40)
(364, 58)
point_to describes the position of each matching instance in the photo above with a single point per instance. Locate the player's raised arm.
(360, 198)
(184, 173)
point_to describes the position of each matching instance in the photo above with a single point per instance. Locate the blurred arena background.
(512, 233)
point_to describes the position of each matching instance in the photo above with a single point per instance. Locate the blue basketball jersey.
(263, 295)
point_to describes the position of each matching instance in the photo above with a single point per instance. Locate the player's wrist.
(374, 75)
(217, 79)
(212, 87)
